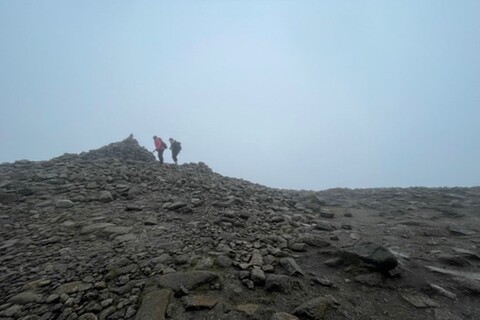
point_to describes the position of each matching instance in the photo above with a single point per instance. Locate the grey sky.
(290, 94)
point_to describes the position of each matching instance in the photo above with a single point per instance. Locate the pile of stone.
(128, 149)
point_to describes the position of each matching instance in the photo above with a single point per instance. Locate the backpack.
(176, 145)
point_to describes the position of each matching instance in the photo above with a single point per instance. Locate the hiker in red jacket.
(160, 146)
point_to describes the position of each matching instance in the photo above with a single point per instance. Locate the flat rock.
(133, 207)
(467, 253)
(197, 302)
(154, 305)
(419, 300)
(462, 274)
(284, 316)
(314, 241)
(443, 291)
(95, 227)
(298, 246)
(117, 230)
(177, 205)
(460, 230)
(249, 309)
(26, 297)
(64, 203)
(469, 285)
(12, 311)
(88, 316)
(370, 279)
(324, 226)
(189, 280)
(72, 287)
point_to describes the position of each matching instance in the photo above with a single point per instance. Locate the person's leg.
(174, 155)
(160, 156)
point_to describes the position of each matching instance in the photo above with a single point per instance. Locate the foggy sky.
(290, 94)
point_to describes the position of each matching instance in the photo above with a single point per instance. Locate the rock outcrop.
(112, 234)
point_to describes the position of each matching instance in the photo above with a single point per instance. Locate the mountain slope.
(112, 234)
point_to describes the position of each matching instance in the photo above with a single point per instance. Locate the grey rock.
(277, 283)
(323, 282)
(189, 280)
(456, 273)
(8, 197)
(333, 262)
(257, 275)
(197, 302)
(298, 246)
(73, 287)
(313, 309)
(467, 253)
(117, 230)
(64, 203)
(419, 300)
(150, 221)
(177, 205)
(26, 297)
(376, 256)
(107, 312)
(12, 311)
(277, 219)
(95, 227)
(468, 285)
(443, 291)
(154, 305)
(284, 316)
(248, 283)
(460, 230)
(105, 196)
(454, 260)
(325, 213)
(370, 279)
(131, 311)
(133, 207)
(53, 298)
(224, 261)
(324, 226)
(291, 267)
(256, 259)
(314, 241)
(205, 263)
(88, 316)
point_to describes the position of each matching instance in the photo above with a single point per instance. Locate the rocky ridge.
(111, 234)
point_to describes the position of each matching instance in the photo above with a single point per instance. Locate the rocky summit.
(112, 234)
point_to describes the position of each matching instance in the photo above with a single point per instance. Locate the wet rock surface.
(112, 234)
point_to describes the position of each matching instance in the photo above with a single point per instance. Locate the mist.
(288, 94)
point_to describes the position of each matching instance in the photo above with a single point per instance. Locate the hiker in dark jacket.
(176, 147)
(160, 146)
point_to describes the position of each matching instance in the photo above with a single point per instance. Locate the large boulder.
(372, 254)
